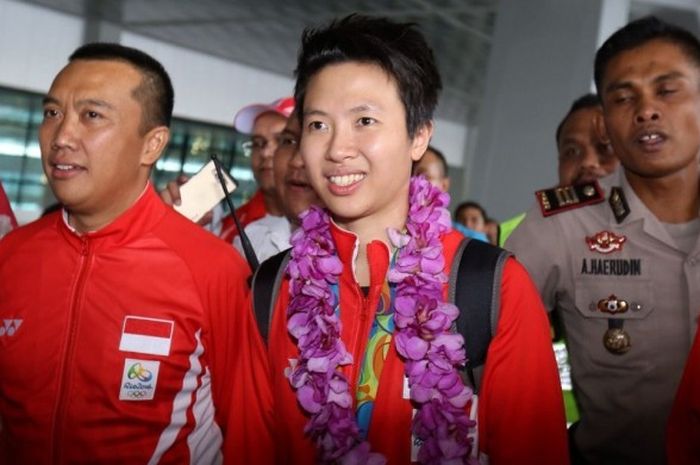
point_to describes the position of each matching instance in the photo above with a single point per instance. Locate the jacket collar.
(140, 218)
(639, 213)
(347, 243)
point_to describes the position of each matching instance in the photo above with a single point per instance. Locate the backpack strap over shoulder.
(265, 287)
(475, 288)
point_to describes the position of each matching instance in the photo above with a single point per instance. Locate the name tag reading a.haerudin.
(146, 335)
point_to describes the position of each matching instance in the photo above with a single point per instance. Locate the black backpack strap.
(265, 287)
(475, 288)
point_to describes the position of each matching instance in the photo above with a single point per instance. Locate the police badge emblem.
(605, 242)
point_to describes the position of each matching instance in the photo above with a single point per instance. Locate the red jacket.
(128, 345)
(521, 414)
(683, 435)
(252, 210)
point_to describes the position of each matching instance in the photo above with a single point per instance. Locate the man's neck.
(272, 203)
(672, 199)
(85, 222)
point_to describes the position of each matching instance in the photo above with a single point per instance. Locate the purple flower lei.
(424, 338)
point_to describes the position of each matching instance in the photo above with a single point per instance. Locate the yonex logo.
(9, 327)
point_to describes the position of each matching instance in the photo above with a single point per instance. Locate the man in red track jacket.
(126, 336)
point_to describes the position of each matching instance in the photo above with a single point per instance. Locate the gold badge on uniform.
(617, 341)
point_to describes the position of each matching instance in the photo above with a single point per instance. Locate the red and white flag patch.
(146, 335)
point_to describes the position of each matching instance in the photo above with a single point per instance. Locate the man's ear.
(601, 130)
(421, 139)
(155, 142)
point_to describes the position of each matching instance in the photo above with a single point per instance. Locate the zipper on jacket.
(61, 404)
(360, 335)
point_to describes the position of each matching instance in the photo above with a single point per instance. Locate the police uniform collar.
(637, 211)
(629, 207)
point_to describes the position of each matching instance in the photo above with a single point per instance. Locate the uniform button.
(636, 306)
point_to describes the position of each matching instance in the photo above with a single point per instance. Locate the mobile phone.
(203, 192)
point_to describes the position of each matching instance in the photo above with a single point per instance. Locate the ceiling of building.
(265, 33)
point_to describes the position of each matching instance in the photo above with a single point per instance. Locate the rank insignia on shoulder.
(605, 242)
(618, 204)
(562, 198)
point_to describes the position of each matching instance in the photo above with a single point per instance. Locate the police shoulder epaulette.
(563, 198)
(618, 204)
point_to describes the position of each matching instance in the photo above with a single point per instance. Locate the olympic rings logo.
(139, 372)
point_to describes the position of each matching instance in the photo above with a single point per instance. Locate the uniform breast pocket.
(614, 322)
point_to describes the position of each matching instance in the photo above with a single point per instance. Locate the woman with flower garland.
(364, 360)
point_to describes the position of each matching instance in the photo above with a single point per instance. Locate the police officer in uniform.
(620, 260)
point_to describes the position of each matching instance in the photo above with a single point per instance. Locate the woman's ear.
(421, 140)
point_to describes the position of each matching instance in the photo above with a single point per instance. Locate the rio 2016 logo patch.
(139, 379)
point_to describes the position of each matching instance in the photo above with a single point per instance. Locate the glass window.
(191, 144)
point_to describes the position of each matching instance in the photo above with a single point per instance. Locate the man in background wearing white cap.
(265, 123)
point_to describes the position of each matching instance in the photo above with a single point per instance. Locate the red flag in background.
(7, 218)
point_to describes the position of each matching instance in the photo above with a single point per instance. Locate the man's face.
(94, 155)
(584, 154)
(473, 219)
(355, 143)
(292, 183)
(266, 130)
(651, 102)
(430, 166)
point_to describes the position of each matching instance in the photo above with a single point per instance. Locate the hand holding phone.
(202, 192)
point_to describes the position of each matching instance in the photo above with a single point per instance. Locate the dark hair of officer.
(398, 48)
(638, 33)
(586, 101)
(155, 93)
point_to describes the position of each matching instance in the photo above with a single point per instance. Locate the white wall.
(541, 60)
(34, 44)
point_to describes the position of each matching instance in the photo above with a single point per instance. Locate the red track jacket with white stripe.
(132, 344)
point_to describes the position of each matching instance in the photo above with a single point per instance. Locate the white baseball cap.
(245, 118)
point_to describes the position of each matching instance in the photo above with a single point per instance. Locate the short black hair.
(440, 156)
(585, 101)
(155, 93)
(398, 48)
(469, 204)
(638, 33)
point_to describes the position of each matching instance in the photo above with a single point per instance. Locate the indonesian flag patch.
(146, 335)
